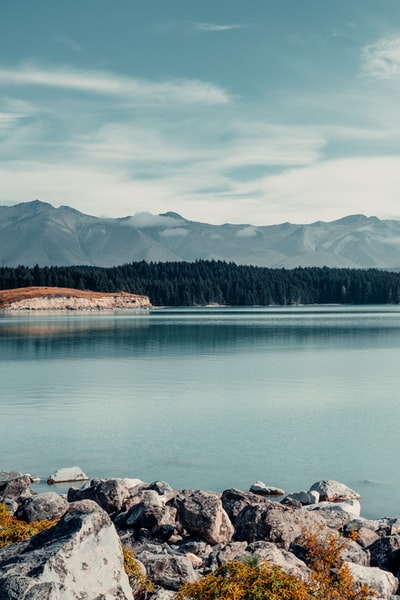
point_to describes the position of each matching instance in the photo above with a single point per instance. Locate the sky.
(258, 112)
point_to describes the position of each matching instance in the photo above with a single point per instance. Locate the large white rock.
(67, 474)
(80, 557)
(352, 507)
(384, 583)
(334, 491)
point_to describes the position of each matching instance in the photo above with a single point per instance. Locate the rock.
(385, 584)
(196, 561)
(234, 501)
(385, 553)
(274, 522)
(284, 559)
(80, 557)
(333, 491)
(223, 553)
(352, 552)
(201, 513)
(158, 520)
(336, 514)
(8, 475)
(110, 494)
(265, 490)
(47, 506)
(67, 474)
(168, 571)
(305, 498)
(15, 489)
(162, 594)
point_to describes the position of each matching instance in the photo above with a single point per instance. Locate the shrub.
(13, 530)
(260, 580)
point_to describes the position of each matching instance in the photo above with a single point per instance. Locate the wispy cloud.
(69, 43)
(382, 59)
(186, 91)
(215, 27)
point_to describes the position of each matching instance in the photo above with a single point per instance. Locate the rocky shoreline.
(179, 535)
(68, 299)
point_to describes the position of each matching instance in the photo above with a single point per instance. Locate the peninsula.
(59, 298)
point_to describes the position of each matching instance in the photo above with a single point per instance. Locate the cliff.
(55, 298)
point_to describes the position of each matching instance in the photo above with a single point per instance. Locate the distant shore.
(57, 298)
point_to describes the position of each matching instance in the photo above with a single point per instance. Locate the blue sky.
(257, 112)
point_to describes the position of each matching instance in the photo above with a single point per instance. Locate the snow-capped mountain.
(37, 233)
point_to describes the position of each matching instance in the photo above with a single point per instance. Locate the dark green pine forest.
(207, 282)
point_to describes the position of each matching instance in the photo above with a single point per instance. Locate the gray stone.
(277, 556)
(223, 553)
(47, 506)
(80, 557)
(67, 474)
(234, 501)
(8, 475)
(265, 490)
(17, 489)
(385, 553)
(201, 513)
(305, 498)
(352, 552)
(385, 584)
(110, 494)
(162, 594)
(168, 571)
(334, 491)
(274, 522)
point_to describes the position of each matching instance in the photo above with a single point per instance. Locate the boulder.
(46, 506)
(234, 501)
(80, 557)
(160, 521)
(265, 490)
(274, 522)
(284, 559)
(67, 474)
(161, 594)
(110, 494)
(168, 570)
(223, 553)
(8, 475)
(333, 491)
(385, 584)
(202, 514)
(305, 498)
(385, 553)
(15, 489)
(352, 552)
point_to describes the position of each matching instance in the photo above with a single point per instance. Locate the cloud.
(142, 220)
(213, 27)
(69, 43)
(247, 232)
(324, 191)
(185, 91)
(382, 59)
(176, 232)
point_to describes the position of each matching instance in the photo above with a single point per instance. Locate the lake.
(208, 398)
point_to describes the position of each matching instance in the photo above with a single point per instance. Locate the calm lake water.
(208, 398)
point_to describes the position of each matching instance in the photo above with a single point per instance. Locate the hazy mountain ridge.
(37, 233)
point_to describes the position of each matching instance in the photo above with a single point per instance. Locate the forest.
(206, 282)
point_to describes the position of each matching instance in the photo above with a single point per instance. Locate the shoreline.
(179, 536)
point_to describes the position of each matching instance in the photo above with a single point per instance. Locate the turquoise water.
(208, 398)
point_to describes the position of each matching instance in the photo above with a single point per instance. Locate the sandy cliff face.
(47, 298)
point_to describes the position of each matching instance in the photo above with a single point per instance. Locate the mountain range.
(38, 233)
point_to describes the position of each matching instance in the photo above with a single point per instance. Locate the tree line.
(207, 282)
